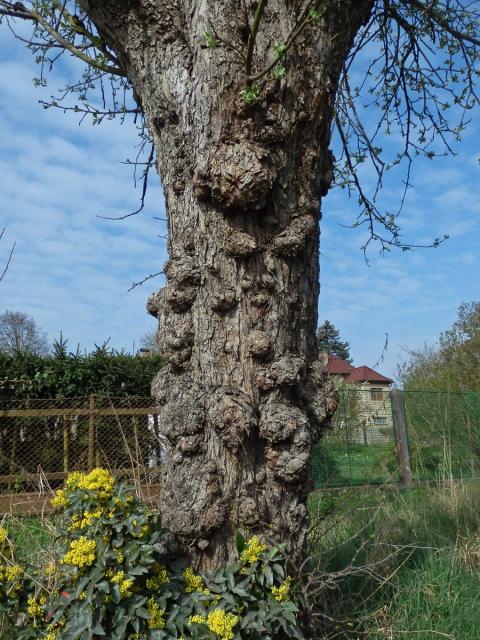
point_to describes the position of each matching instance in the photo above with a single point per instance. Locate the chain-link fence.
(47, 439)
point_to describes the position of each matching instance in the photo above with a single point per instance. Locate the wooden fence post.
(401, 437)
(91, 431)
(65, 444)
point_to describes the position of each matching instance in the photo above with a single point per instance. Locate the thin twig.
(9, 259)
(149, 277)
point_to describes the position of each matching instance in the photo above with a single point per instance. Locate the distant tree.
(328, 340)
(149, 341)
(19, 333)
(453, 364)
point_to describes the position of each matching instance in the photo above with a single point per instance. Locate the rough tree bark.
(243, 396)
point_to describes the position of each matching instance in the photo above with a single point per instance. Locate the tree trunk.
(243, 396)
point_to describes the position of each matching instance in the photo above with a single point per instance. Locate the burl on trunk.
(243, 396)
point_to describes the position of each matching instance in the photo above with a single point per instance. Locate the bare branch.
(149, 277)
(431, 13)
(9, 258)
(8, 10)
(146, 171)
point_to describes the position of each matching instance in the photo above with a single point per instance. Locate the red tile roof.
(337, 366)
(365, 374)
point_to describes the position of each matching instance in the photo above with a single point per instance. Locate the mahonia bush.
(114, 578)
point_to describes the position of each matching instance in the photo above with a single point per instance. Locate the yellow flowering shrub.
(112, 576)
(159, 578)
(197, 619)
(192, 581)
(156, 618)
(99, 481)
(13, 572)
(124, 584)
(60, 501)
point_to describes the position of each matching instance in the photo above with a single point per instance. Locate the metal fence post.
(91, 431)
(401, 437)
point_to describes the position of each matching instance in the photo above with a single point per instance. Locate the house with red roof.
(373, 414)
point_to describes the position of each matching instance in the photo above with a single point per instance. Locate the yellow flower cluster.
(193, 582)
(71, 483)
(82, 552)
(99, 480)
(3, 535)
(218, 621)
(88, 519)
(34, 607)
(156, 613)
(53, 630)
(196, 619)
(282, 592)
(13, 572)
(253, 550)
(222, 623)
(124, 584)
(155, 582)
(60, 501)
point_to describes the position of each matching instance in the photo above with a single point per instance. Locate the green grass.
(30, 536)
(404, 565)
(438, 598)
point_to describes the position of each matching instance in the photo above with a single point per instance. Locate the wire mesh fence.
(444, 434)
(360, 447)
(442, 437)
(50, 438)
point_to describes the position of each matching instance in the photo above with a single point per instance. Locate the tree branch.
(253, 35)
(8, 10)
(149, 277)
(440, 20)
(9, 259)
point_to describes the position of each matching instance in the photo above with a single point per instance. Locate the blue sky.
(71, 270)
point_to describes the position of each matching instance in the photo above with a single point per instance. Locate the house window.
(379, 421)
(376, 394)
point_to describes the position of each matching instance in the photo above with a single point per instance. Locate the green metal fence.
(442, 429)
(444, 434)
(360, 447)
